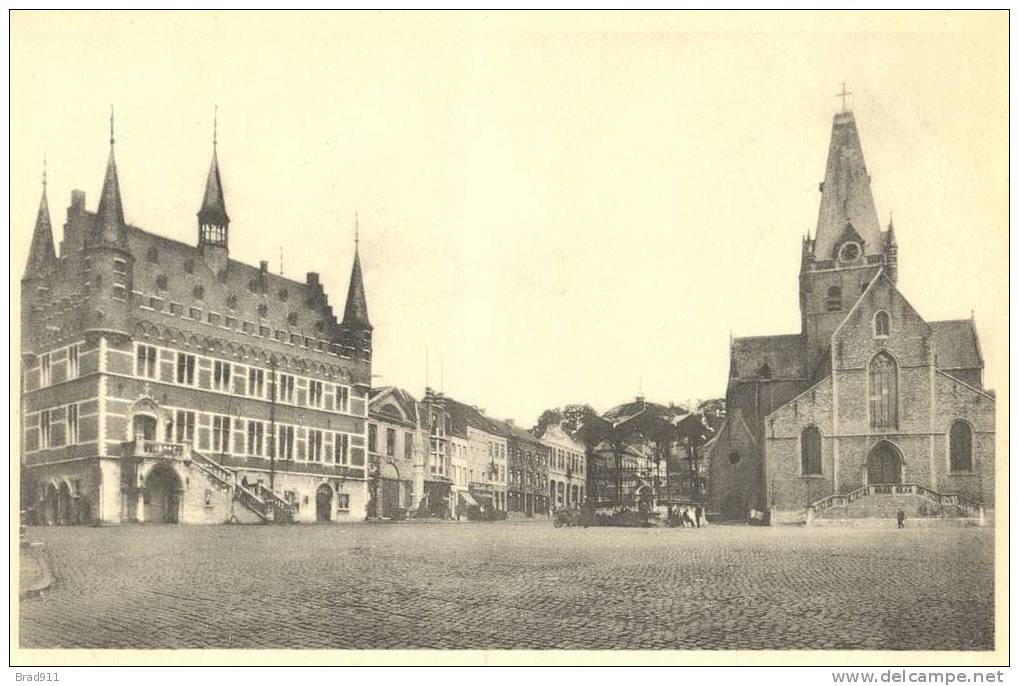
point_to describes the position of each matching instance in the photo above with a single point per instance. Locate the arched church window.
(884, 391)
(882, 323)
(960, 446)
(263, 310)
(283, 294)
(198, 292)
(833, 302)
(231, 302)
(161, 282)
(810, 451)
(292, 319)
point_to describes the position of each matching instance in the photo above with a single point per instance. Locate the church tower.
(109, 264)
(848, 248)
(213, 221)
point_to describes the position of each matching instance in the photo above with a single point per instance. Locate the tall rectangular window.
(286, 442)
(72, 424)
(408, 446)
(221, 375)
(342, 399)
(256, 437)
(286, 389)
(220, 434)
(183, 426)
(373, 438)
(186, 369)
(341, 448)
(73, 370)
(45, 370)
(256, 383)
(44, 429)
(314, 445)
(315, 394)
(391, 442)
(145, 362)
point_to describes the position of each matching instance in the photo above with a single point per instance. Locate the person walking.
(698, 514)
(900, 518)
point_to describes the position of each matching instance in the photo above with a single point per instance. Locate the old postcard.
(536, 338)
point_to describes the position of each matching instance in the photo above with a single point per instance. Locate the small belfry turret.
(213, 221)
(356, 329)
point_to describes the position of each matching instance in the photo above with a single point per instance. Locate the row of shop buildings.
(443, 458)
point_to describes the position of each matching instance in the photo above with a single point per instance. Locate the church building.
(869, 399)
(165, 381)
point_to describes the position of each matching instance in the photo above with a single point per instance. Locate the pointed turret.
(847, 206)
(110, 227)
(355, 314)
(41, 254)
(213, 221)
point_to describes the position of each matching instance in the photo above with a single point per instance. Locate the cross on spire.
(44, 170)
(111, 125)
(844, 94)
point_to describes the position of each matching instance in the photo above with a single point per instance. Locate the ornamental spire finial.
(844, 94)
(111, 126)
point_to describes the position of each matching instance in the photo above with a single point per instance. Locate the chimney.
(312, 278)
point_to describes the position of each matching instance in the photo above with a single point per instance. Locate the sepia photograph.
(509, 338)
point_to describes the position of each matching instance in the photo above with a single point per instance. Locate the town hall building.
(869, 399)
(165, 381)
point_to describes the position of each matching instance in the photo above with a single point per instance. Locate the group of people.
(686, 515)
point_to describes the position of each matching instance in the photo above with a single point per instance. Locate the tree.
(548, 418)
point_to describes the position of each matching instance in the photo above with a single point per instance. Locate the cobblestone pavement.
(513, 585)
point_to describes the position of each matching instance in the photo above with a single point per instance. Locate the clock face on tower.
(849, 252)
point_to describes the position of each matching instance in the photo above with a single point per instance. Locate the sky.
(553, 208)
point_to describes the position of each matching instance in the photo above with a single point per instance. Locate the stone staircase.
(882, 502)
(267, 505)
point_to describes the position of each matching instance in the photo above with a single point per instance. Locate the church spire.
(110, 227)
(41, 254)
(355, 314)
(847, 206)
(213, 220)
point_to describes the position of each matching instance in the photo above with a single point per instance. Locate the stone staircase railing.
(261, 500)
(966, 505)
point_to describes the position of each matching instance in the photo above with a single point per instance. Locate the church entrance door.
(884, 466)
(324, 503)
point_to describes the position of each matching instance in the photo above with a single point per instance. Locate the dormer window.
(199, 292)
(189, 266)
(152, 255)
(283, 294)
(849, 252)
(161, 282)
(882, 324)
(263, 310)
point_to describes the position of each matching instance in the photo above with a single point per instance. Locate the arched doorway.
(162, 495)
(884, 464)
(323, 503)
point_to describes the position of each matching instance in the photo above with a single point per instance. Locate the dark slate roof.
(461, 416)
(41, 254)
(956, 343)
(775, 357)
(213, 205)
(620, 413)
(110, 213)
(282, 296)
(356, 311)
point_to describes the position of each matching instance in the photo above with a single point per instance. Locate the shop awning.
(469, 499)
